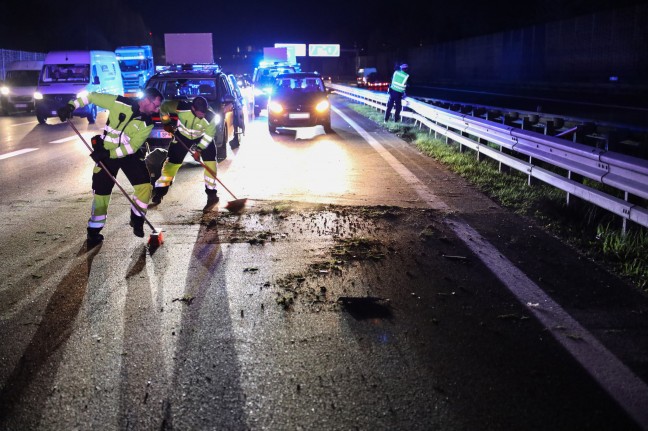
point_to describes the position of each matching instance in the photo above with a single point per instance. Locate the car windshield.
(302, 85)
(65, 73)
(187, 88)
(132, 65)
(22, 78)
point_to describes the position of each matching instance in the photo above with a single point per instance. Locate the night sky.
(371, 25)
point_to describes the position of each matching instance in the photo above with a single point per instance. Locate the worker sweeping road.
(120, 147)
(196, 126)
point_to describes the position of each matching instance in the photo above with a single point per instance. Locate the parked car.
(240, 112)
(299, 100)
(185, 82)
(247, 90)
(263, 81)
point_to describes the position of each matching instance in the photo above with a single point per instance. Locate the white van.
(69, 74)
(20, 84)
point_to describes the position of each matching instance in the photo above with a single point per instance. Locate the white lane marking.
(433, 200)
(629, 391)
(17, 153)
(60, 141)
(22, 124)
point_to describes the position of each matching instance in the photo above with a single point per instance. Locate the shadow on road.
(206, 369)
(53, 331)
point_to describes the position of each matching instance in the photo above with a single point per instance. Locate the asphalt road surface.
(363, 287)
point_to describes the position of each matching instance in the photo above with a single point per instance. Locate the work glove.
(196, 154)
(170, 128)
(65, 112)
(99, 152)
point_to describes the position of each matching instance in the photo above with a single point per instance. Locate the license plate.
(299, 116)
(21, 105)
(160, 134)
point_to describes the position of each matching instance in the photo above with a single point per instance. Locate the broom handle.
(210, 170)
(100, 163)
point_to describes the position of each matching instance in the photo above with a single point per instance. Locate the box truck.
(137, 66)
(21, 80)
(188, 48)
(70, 74)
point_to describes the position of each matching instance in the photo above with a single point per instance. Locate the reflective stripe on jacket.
(399, 81)
(121, 137)
(190, 126)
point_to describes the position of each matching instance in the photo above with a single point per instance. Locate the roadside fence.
(530, 152)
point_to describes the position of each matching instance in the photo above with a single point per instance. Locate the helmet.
(404, 66)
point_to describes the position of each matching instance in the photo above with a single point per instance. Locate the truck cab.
(136, 65)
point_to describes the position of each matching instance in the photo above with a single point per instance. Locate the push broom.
(234, 206)
(156, 238)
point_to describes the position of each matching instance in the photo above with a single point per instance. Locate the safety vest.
(126, 129)
(190, 126)
(399, 81)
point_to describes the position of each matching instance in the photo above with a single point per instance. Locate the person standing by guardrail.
(397, 92)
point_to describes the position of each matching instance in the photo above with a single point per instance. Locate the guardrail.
(522, 149)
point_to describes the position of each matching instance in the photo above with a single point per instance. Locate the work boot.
(94, 237)
(156, 199)
(212, 200)
(137, 223)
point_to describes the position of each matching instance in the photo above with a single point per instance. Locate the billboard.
(294, 49)
(324, 50)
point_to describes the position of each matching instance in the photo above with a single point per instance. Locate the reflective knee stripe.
(210, 182)
(141, 207)
(98, 221)
(163, 181)
(99, 211)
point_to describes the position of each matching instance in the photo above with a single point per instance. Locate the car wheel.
(41, 119)
(92, 115)
(327, 126)
(221, 152)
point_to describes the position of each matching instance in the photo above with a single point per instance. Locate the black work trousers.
(395, 101)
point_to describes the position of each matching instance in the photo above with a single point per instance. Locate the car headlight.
(4, 90)
(38, 95)
(322, 106)
(275, 107)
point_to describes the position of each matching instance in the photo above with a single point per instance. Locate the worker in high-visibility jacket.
(397, 93)
(120, 146)
(195, 127)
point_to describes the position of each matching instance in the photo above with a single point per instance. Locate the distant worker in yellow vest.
(397, 93)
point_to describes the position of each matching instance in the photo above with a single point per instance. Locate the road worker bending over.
(196, 126)
(119, 147)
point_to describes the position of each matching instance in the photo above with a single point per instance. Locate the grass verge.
(592, 230)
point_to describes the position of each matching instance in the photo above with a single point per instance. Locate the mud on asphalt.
(382, 260)
(376, 253)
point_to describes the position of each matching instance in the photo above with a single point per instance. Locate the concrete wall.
(586, 49)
